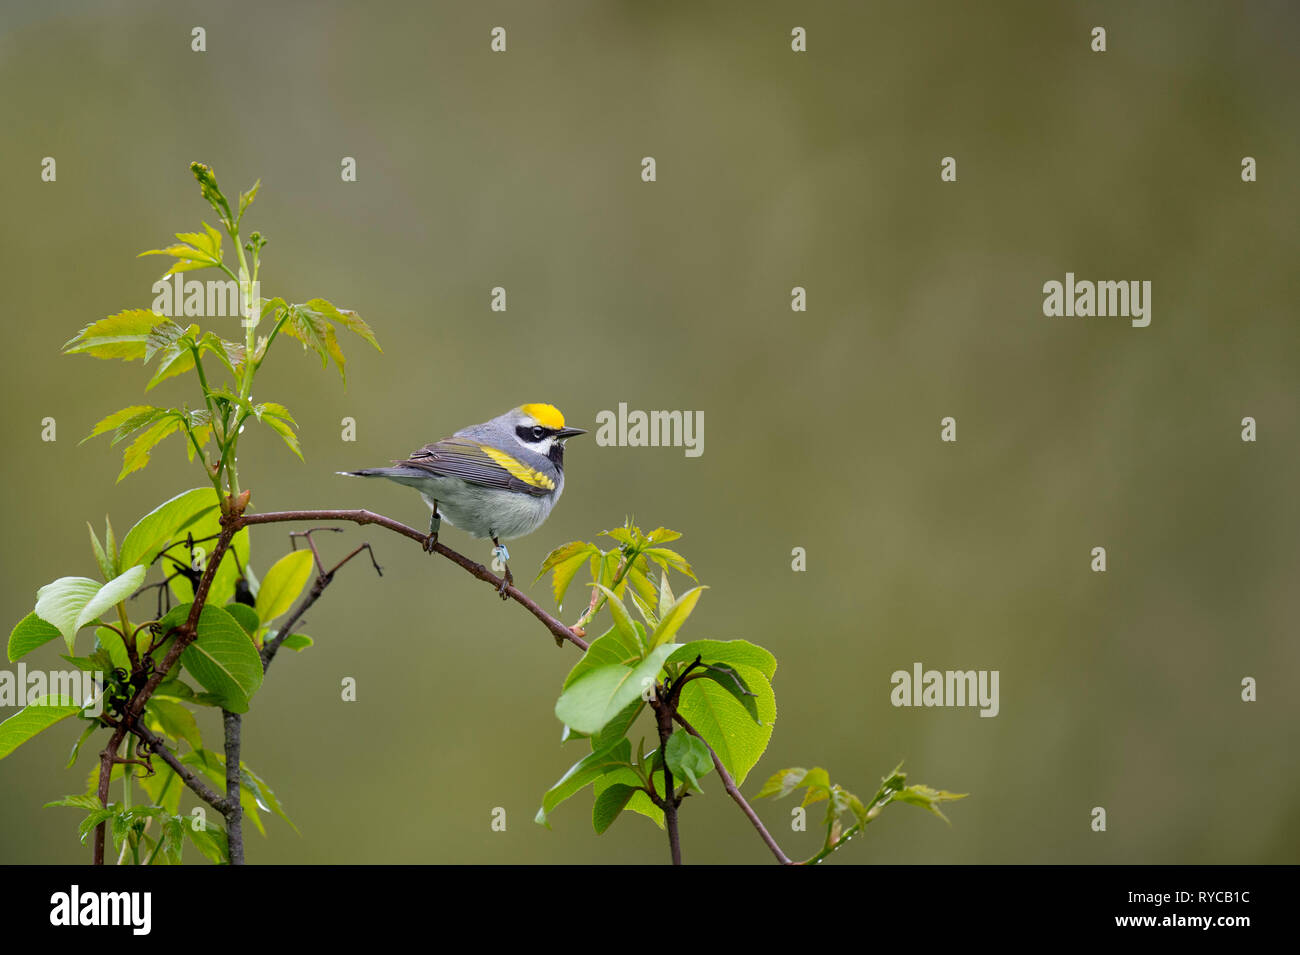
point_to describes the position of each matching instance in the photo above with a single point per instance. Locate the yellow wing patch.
(517, 468)
(548, 416)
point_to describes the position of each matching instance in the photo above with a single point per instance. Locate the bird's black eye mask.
(534, 433)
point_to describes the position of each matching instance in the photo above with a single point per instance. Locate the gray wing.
(465, 458)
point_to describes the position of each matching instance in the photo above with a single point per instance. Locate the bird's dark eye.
(538, 433)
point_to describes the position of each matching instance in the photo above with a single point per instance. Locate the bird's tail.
(400, 474)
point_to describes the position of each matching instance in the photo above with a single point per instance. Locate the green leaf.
(211, 841)
(315, 332)
(347, 318)
(208, 525)
(609, 804)
(79, 801)
(38, 715)
(111, 594)
(283, 583)
(176, 359)
(662, 535)
(101, 557)
(643, 588)
(666, 598)
(581, 774)
(286, 433)
(727, 677)
(223, 659)
(566, 561)
(133, 425)
(76, 747)
(213, 765)
(617, 728)
(28, 634)
(724, 722)
(263, 793)
(672, 618)
(89, 824)
(612, 646)
(727, 651)
(246, 616)
(783, 782)
(273, 409)
(137, 452)
(925, 797)
(622, 619)
(600, 695)
(163, 334)
(174, 720)
(666, 558)
(246, 199)
(687, 758)
(123, 335)
(297, 641)
(70, 603)
(163, 524)
(640, 801)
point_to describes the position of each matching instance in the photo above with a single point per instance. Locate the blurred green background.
(476, 169)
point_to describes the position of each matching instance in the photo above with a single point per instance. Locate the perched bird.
(498, 479)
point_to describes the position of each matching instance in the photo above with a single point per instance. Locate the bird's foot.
(500, 553)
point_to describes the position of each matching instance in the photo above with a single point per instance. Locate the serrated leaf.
(666, 558)
(212, 841)
(123, 335)
(78, 801)
(783, 782)
(286, 432)
(137, 453)
(566, 561)
(921, 795)
(347, 318)
(671, 620)
(117, 419)
(622, 619)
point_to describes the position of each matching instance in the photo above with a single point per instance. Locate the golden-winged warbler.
(495, 480)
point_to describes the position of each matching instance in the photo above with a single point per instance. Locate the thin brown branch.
(191, 779)
(557, 628)
(234, 812)
(729, 784)
(664, 713)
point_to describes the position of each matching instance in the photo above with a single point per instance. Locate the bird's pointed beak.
(570, 432)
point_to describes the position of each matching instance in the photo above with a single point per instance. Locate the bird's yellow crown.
(548, 416)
